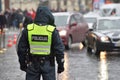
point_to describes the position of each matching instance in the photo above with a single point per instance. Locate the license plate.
(117, 44)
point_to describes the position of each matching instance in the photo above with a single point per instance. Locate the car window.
(109, 24)
(82, 19)
(60, 20)
(72, 20)
(104, 12)
(94, 26)
(90, 20)
(79, 18)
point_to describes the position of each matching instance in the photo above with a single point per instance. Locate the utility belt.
(42, 59)
(39, 58)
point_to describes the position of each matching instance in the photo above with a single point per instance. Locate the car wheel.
(69, 43)
(95, 49)
(84, 44)
(89, 50)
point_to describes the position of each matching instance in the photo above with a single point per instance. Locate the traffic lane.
(112, 60)
(81, 65)
(78, 65)
(9, 66)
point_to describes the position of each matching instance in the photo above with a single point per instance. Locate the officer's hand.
(60, 68)
(23, 67)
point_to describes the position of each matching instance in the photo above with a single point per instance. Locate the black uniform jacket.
(43, 17)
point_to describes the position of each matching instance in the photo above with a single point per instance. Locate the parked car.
(71, 26)
(105, 35)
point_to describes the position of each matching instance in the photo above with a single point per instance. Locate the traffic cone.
(9, 42)
(15, 39)
(0, 32)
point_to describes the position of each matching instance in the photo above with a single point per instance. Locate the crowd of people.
(13, 17)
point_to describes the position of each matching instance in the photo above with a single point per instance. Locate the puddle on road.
(103, 67)
(81, 46)
(64, 75)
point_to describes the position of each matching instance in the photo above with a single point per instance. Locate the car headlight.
(63, 33)
(104, 39)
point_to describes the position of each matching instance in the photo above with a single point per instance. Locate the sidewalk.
(9, 66)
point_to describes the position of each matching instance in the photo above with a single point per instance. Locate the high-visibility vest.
(40, 38)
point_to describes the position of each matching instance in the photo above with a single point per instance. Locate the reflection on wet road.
(103, 66)
(79, 65)
(66, 65)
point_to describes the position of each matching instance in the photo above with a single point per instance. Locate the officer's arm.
(58, 47)
(22, 47)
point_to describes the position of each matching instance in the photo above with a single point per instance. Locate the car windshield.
(105, 12)
(109, 24)
(60, 20)
(90, 20)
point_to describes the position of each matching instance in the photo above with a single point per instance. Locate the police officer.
(39, 46)
(3, 22)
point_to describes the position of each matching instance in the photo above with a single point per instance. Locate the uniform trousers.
(35, 70)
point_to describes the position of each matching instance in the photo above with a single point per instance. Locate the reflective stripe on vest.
(40, 38)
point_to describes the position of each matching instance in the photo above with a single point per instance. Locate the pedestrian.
(39, 46)
(3, 22)
(25, 21)
(113, 13)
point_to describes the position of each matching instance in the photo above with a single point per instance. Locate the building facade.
(69, 5)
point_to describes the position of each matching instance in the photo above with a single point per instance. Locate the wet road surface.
(79, 65)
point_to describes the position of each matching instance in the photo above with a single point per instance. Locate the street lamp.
(0, 6)
(20, 4)
(58, 5)
(44, 3)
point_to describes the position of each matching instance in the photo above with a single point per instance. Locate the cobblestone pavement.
(9, 67)
(78, 65)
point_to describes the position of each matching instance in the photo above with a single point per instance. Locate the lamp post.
(58, 5)
(44, 3)
(65, 4)
(79, 3)
(20, 4)
(7, 4)
(0, 6)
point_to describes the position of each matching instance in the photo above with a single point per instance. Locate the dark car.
(91, 18)
(105, 35)
(71, 26)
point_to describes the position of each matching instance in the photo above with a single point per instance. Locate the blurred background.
(79, 63)
(14, 10)
(55, 5)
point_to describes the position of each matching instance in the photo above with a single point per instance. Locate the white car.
(91, 18)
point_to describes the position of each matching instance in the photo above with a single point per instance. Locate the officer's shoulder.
(51, 28)
(30, 26)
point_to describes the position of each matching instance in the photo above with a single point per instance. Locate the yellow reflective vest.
(40, 38)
